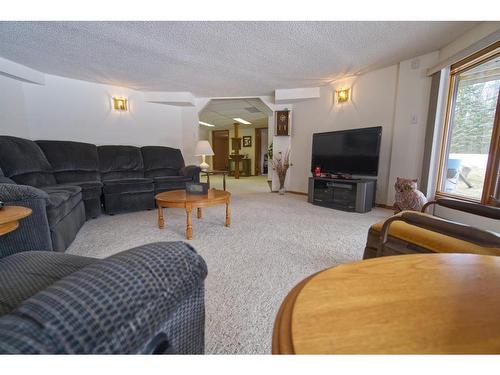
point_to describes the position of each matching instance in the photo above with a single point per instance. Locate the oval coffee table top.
(180, 196)
(408, 304)
(13, 213)
(10, 216)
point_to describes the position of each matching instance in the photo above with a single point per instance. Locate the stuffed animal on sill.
(408, 197)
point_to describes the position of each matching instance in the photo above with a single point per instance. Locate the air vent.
(252, 110)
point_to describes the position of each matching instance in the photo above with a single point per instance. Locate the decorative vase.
(282, 185)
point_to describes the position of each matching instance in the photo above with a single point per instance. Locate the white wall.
(12, 109)
(410, 120)
(68, 109)
(372, 104)
(190, 134)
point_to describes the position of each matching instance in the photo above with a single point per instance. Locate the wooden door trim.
(258, 145)
(227, 150)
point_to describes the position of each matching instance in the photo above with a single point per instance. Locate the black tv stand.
(347, 194)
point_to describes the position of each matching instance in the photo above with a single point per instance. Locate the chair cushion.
(23, 161)
(72, 161)
(433, 241)
(62, 199)
(118, 162)
(171, 182)
(128, 185)
(25, 274)
(161, 161)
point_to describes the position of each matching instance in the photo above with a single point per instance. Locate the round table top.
(425, 303)
(180, 196)
(9, 214)
(216, 171)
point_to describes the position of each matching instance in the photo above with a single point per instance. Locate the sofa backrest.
(161, 161)
(72, 161)
(117, 162)
(24, 162)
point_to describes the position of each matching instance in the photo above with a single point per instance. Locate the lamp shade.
(203, 148)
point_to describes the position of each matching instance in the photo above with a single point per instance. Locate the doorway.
(220, 144)
(261, 144)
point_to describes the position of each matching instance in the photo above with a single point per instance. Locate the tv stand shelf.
(354, 195)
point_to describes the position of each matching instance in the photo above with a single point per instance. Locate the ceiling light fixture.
(205, 123)
(241, 121)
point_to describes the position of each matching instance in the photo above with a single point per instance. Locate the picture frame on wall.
(247, 141)
(283, 123)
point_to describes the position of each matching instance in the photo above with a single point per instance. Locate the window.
(469, 165)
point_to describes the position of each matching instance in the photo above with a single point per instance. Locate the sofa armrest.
(463, 232)
(192, 171)
(33, 232)
(10, 193)
(6, 180)
(464, 206)
(121, 304)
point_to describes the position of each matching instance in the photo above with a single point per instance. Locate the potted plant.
(281, 164)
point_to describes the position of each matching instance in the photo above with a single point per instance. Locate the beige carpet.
(274, 242)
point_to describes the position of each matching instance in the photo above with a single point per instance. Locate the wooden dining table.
(407, 304)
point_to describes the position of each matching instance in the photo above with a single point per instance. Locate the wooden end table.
(10, 216)
(180, 199)
(407, 304)
(214, 173)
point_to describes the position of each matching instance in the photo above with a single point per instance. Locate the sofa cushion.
(90, 189)
(5, 180)
(24, 162)
(24, 274)
(118, 162)
(129, 185)
(434, 241)
(62, 199)
(72, 161)
(171, 182)
(161, 161)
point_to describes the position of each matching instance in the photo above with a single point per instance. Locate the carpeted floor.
(274, 242)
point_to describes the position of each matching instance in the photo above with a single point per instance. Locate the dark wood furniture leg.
(161, 221)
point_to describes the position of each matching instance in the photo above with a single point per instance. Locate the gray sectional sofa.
(66, 183)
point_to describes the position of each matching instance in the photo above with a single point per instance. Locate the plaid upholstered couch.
(149, 299)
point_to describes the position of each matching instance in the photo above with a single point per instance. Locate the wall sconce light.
(120, 104)
(343, 95)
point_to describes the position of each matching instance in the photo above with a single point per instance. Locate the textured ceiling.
(219, 58)
(220, 112)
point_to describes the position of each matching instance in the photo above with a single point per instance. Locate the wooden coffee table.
(10, 216)
(406, 304)
(180, 199)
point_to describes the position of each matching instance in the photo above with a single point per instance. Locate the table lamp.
(203, 149)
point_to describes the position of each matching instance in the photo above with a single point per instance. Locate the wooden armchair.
(412, 232)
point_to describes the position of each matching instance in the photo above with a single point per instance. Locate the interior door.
(258, 154)
(220, 144)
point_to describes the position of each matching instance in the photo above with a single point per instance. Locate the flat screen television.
(353, 152)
